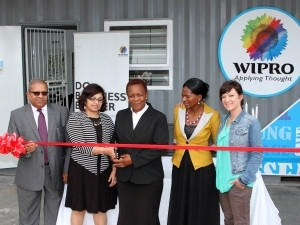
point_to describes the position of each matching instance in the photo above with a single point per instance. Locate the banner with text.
(284, 131)
(103, 58)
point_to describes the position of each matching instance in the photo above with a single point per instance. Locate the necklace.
(188, 122)
(96, 121)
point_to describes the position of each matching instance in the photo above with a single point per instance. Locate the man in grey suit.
(34, 172)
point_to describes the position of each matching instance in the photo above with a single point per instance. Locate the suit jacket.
(205, 132)
(30, 170)
(152, 128)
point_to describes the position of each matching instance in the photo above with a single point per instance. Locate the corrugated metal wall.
(198, 25)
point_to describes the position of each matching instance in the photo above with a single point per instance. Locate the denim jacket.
(245, 130)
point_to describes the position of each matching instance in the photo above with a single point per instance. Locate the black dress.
(194, 197)
(88, 191)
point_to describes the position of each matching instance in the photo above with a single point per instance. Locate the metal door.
(45, 58)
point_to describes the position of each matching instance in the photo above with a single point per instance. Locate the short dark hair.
(136, 81)
(88, 92)
(197, 86)
(231, 84)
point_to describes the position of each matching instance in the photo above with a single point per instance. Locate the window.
(150, 50)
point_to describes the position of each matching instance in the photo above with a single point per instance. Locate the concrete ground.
(285, 195)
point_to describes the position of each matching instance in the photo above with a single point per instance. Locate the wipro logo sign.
(259, 48)
(264, 38)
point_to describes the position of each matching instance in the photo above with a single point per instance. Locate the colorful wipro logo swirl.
(123, 50)
(264, 38)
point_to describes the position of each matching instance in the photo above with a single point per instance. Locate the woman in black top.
(140, 172)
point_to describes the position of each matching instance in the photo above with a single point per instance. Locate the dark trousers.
(236, 205)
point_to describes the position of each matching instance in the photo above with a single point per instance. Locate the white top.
(137, 116)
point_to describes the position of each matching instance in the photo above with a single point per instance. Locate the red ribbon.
(15, 145)
(173, 147)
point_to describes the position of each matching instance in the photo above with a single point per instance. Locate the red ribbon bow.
(12, 144)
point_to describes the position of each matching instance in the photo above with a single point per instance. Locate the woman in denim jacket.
(236, 170)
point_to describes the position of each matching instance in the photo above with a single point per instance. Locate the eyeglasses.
(37, 93)
(99, 100)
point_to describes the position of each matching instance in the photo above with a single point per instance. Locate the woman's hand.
(238, 184)
(125, 160)
(112, 177)
(109, 151)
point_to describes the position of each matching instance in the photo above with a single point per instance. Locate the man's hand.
(30, 146)
(65, 178)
